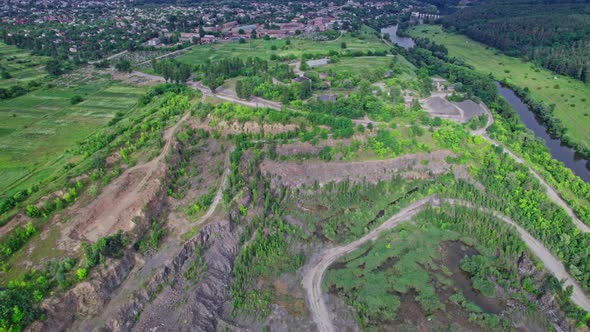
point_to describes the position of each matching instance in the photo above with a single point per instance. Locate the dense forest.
(553, 34)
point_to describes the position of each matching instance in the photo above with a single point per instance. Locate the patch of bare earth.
(123, 201)
(135, 77)
(420, 165)
(290, 149)
(248, 127)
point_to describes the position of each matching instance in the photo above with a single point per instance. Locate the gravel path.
(312, 279)
(551, 193)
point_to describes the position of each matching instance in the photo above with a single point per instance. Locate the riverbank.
(570, 97)
(567, 155)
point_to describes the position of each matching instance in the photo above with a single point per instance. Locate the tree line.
(555, 35)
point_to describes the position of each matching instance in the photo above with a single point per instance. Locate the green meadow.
(358, 66)
(570, 97)
(365, 40)
(21, 65)
(37, 129)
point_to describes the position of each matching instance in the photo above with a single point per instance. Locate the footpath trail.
(314, 272)
(169, 249)
(123, 198)
(551, 193)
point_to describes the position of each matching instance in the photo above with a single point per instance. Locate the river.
(405, 42)
(558, 150)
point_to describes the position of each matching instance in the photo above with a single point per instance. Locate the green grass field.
(571, 97)
(365, 41)
(38, 128)
(358, 66)
(22, 66)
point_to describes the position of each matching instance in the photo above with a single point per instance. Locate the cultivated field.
(571, 97)
(21, 66)
(36, 129)
(365, 41)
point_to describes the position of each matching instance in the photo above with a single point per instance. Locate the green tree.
(123, 66)
(54, 67)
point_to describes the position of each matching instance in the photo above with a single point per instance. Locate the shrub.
(33, 211)
(81, 273)
(76, 99)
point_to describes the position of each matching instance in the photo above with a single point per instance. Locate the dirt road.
(551, 193)
(222, 94)
(314, 272)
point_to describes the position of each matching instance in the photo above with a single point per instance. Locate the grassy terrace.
(38, 128)
(571, 97)
(365, 40)
(22, 66)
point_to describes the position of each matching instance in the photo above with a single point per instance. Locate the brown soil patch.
(306, 147)
(248, 127)
(295, 174)
(136, 77)
(123, 200)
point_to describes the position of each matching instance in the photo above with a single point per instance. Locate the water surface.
(558, 150)
(405, 42)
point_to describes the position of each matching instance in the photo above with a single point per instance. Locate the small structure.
(208, 39)
(189, 36)
(317, 63)
(442, 85)
(302, 79)
(153, 42)
(331, 98)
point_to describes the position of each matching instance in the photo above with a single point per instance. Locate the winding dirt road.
(314, 272)
(224, 94)
(551, 193)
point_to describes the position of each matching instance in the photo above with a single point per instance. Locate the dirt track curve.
(312, 279)
(551, 193)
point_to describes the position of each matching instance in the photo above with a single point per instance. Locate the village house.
(208, 39)
(318, 62)
(330, 98)
(188, 37)
(153, 42)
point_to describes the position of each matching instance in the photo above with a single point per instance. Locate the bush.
(76, 99)
(33, 211)
(81, 273)
(110, 246)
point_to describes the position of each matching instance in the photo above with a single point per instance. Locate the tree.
(54, 67)
(123, 66)
(76, 99)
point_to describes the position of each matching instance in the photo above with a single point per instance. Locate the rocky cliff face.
(546, 303)
(85, 298)
(170, 302)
